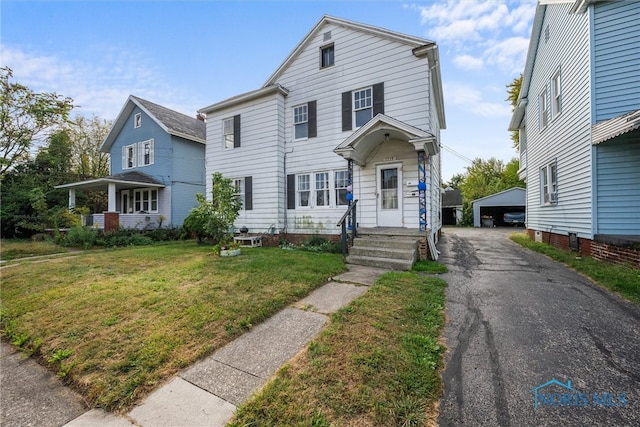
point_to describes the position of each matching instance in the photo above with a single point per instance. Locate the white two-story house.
(579, 120)
(353, 113)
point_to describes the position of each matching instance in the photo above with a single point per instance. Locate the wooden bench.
(253, 241)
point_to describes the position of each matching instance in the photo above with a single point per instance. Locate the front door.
(389, 195)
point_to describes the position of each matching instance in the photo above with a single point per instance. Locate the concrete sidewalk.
(205, 394)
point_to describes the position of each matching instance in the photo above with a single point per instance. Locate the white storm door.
(389, 195)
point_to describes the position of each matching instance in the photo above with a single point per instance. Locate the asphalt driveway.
(532, 343)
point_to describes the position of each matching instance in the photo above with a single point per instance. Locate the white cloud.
(472, 100)
(468, 62)
(99, 83)
(495, 30)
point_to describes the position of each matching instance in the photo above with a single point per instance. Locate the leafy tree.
(513, 92)
(24, 116)
(455, 181)
(214, 219)
(87, 135)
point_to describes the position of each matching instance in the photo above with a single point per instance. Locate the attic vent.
(546, 34)
(326, 36)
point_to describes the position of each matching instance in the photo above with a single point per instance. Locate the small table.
(253, 241)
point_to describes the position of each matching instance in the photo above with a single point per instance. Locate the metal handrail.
(343, 223)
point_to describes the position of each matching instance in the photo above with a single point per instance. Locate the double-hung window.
(341, 182)
(322, 188)
(359, 106)
(239, 185)
(362, 106)
(145, 200)
(304, 190)
(543, 109)
(231, 132)
(556, 95)
(145, 153)
(301, 121)
(549, 184)
(327, 56)
(129, 156)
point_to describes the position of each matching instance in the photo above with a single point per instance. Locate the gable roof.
(421, 48)
(517, 191)
(327, 20)
(172, 122)
(359, 145)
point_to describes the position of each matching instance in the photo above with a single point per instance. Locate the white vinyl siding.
(271, 151)
(568, 137)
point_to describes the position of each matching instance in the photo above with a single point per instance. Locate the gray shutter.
(248, 193)
(236, 131)
(312, 120)
(291, 191)
(346, 111)
(378, 99)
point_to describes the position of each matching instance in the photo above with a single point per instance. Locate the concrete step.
(383, 252)
(391, 242)
(388, 263)
(391, 231)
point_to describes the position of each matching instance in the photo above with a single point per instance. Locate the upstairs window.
(137, 120)
(145, 153)
(231, 132)
(556, 95)
(129, 156)
(361, 105)
(239, 185)
(543, 109)
(301, 121)
(327, 56)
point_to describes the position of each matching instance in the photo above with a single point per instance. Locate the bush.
(315, 244)
(79, 237)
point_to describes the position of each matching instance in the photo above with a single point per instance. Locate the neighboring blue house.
(579, 120)
(157, 167)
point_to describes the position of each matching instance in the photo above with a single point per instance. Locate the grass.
(377, 363)
(116, 323)
(13, 249)
(624, 280)
(429, 266)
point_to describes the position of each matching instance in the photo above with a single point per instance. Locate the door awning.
(381, 128)
(618, 126)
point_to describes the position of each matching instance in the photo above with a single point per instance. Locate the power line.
(454, 152)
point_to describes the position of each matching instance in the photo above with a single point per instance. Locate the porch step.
(389, 263)
(392, 248)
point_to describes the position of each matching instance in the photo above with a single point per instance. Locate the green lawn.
(13, 248)
(115, 323)
(624, 280)
(376, 364)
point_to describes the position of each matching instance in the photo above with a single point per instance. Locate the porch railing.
(343, 223)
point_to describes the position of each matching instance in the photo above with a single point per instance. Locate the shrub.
(79, 237)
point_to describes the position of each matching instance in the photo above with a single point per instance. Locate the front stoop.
(391, 248)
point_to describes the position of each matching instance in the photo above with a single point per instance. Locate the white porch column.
(112, 197)
(72, 198)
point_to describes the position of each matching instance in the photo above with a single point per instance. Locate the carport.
(488, 211)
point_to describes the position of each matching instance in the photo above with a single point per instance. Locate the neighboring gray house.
(354, 112)
(579, 120)
(157, 167)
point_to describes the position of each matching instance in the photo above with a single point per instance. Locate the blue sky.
(187, 55)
